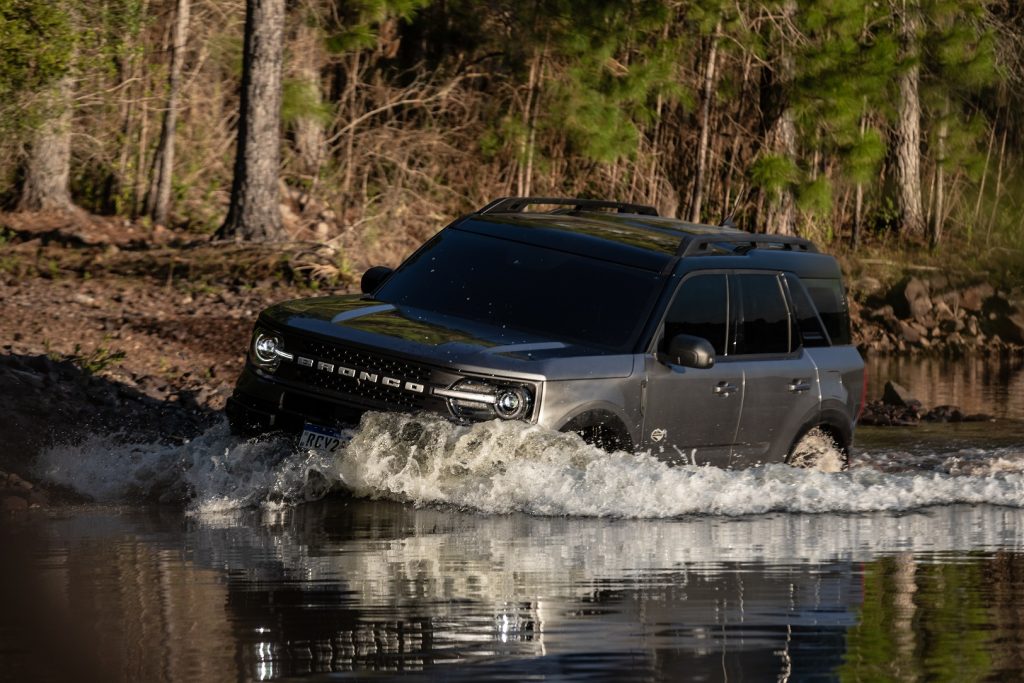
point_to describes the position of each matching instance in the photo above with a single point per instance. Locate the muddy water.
(502, 553)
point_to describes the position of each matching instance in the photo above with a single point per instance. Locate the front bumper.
(262, 404)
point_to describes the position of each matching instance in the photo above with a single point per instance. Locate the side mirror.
(691, 352)
(374, 278)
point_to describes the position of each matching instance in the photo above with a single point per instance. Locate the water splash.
(498, 467)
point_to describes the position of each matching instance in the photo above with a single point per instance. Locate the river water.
(503, 553)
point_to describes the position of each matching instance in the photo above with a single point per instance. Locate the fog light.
(512, 403)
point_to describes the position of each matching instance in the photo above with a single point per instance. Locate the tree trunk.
(309, 129)
(908, 133)
(708, 93)
(48, 168)
(780, 136)
(158, 200)
(939, 203)
(255, 212)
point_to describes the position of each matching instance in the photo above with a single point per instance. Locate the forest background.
(872, 127)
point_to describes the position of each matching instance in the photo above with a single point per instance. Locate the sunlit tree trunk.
(939, 202)
(708, 93)
(908, 130)
(780, 138)
(309, 129)
(254, 212)
(48, 167)
(158, 200)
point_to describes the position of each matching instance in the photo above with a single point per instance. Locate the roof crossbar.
(519, 204)
(693, 245)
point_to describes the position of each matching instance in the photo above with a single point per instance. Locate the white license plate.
(320, 438)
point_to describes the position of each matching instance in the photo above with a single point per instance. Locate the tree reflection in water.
(353, 586)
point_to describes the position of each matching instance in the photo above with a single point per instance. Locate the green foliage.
(774, 173)
(815, 197)
(96, 361)
(36, 47)
(361, 20)
(301, 100)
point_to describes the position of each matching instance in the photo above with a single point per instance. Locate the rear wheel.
(818, 450)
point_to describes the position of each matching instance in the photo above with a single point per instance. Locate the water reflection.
(978, 384)
(348, 586)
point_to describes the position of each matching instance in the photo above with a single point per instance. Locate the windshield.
(562, 296)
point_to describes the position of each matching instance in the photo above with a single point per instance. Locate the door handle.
(724, 388)
(799, 385)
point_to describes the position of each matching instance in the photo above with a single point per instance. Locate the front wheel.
(817, 450)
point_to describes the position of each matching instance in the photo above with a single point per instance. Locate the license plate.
(320, 438)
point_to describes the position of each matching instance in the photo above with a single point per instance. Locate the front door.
(691, 415)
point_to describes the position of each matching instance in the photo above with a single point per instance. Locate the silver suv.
(701, 344)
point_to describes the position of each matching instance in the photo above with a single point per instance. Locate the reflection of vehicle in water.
(352, 586)
(705, 344)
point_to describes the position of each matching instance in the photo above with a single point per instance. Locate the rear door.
(782, 390)
(691, 415)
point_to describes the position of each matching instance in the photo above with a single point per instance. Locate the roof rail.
(519, 204)
(692, 245)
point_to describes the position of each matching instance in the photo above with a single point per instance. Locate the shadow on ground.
(44, 401)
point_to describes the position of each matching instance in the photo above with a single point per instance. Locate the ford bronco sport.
(701, 344)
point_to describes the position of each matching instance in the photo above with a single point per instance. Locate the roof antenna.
(727, 223)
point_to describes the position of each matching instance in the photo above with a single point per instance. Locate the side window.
(701, 309)
(812, 333)
(763, 325)
(830, 300)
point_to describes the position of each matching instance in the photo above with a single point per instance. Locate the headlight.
(472, 399)
(512, 403)
(266, 349)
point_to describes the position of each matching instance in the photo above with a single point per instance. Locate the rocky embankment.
(936, 314)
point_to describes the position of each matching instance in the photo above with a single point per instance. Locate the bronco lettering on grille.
(361, 375)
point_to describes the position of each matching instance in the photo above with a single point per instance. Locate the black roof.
(635, 235)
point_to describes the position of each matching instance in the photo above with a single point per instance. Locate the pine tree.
(254, 212)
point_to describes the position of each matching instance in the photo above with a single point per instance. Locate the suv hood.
(445, 341)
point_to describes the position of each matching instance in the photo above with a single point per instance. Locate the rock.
(16, 482)
(867, 285)
(944, 414)
(1015, 328)
(919, 303)
(973, 298)
(84, 299)
(908, 332)
(943, 312)
(897, 395)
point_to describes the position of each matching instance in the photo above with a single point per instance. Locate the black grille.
(362, 391)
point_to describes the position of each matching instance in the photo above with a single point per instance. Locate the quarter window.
(811, 331)
(828, 296)
(700, 309)
(764, 325)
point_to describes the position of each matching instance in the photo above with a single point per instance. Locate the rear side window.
(764, 325)
(830, 300)
(700, 309)
(812, 332)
